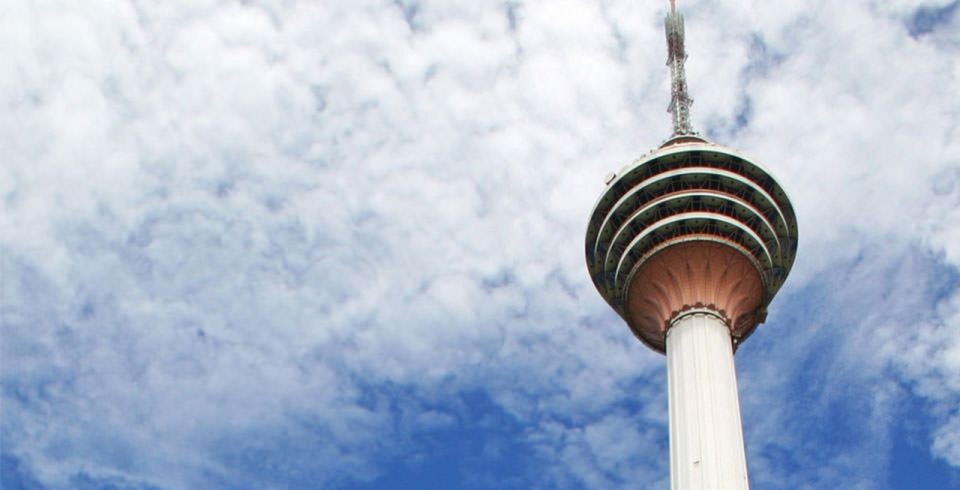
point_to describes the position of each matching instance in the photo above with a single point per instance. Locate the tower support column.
(706, 435)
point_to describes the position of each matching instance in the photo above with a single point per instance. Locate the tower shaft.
(706, 437)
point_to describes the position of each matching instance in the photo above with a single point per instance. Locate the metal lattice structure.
(680, 101)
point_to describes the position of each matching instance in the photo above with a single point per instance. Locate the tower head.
(691, 225)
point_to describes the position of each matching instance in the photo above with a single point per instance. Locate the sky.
(339, 244)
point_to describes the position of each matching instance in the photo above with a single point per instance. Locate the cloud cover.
(318, 244)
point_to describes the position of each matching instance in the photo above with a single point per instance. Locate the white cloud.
(226, 226)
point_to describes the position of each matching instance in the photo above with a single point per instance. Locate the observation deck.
(691, 226)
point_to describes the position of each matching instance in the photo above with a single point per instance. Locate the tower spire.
(680, 100)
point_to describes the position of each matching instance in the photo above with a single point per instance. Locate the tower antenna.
(680, 100)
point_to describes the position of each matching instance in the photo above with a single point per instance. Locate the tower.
(689, 244)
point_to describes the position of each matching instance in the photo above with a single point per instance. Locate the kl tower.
(689, 244)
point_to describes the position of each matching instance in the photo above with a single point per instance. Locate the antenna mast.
(680, 101)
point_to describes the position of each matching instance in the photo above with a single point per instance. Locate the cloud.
(289, 244)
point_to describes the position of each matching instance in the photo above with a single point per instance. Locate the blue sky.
(291, 244)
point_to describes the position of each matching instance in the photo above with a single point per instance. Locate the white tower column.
(706, 436)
